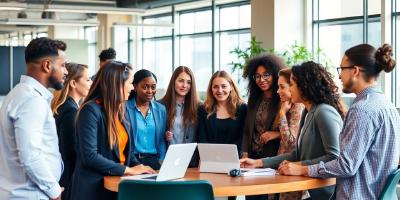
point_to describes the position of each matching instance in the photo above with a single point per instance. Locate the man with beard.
(370, 139)
(30, 162)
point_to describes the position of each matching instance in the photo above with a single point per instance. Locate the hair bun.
(384, 58)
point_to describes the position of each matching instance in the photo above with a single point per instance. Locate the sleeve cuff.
(313, 170)
(266, 162)
(54, 191)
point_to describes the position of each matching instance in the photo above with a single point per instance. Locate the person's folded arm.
(29, 127)
(274, 162)
(357, 138)
(87, 129)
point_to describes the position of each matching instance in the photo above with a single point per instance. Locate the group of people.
(111, 124)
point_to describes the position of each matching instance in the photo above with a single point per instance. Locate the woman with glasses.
(318, 140)
(221, 119)
(261, 133)
(261, 136)
(102, 134)
(148, 120)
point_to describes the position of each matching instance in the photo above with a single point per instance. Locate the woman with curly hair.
(261, 136)
(318, 140)
(370, 139)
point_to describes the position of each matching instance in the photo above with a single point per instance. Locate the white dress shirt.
(30, 161)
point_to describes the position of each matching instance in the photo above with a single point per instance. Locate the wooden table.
(224, 185)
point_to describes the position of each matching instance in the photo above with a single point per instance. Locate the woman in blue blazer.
(148, 120)
(102, 135)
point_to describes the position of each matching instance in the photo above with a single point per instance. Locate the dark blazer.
(95, 158)
(208, 133)
(319, 141)
(160, 118)
(272, 146)
(65, 122)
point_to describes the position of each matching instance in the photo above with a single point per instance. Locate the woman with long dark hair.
(181, 101)
(313, 86)
(102, 132)
(261, 132)
(147, 119)
(65, 105)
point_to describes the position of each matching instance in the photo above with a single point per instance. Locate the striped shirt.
(369, 148)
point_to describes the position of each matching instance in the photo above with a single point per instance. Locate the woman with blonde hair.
(221, 118)
(65, 105)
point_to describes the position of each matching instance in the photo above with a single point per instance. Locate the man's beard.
(57, 85)
(348, 86)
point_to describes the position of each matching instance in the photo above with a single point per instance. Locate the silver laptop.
(174, 166)
(218, 158)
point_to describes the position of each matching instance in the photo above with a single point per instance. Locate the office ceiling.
(144, 4)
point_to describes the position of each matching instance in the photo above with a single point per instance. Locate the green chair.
(389, 192)
(165, 190)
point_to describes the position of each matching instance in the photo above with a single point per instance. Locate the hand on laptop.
(250, 163)
(138, 169)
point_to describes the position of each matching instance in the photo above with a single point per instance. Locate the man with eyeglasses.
(370, 139)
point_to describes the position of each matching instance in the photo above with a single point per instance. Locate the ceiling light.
(164, 25)
(94, 9)
(12, 6)
(47, 22)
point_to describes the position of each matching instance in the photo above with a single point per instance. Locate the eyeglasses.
(258, 77)
(340, 69)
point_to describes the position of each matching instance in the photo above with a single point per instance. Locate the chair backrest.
(165, 190)
(389, 192)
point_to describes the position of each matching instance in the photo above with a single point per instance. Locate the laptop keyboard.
(151, 178)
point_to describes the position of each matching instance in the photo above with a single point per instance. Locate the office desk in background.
(224, 185)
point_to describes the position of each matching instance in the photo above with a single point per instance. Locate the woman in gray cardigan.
(318, 140)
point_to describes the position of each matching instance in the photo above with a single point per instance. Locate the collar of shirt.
(148, 111)
(43, 91)
(365, 92)
(180, 104)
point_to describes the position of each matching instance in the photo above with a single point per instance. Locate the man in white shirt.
(30, 162)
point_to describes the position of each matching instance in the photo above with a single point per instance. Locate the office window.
(121, 41)
(396, 36)
(157, 57)
(195, 52)
(149, 32)
(195, 22)
(27, 39)
(43, 34)
(339, 25)
(157, 49)
(235, 17)
(193, 41)
(339, 8)
(335, 39)
(91, 37)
